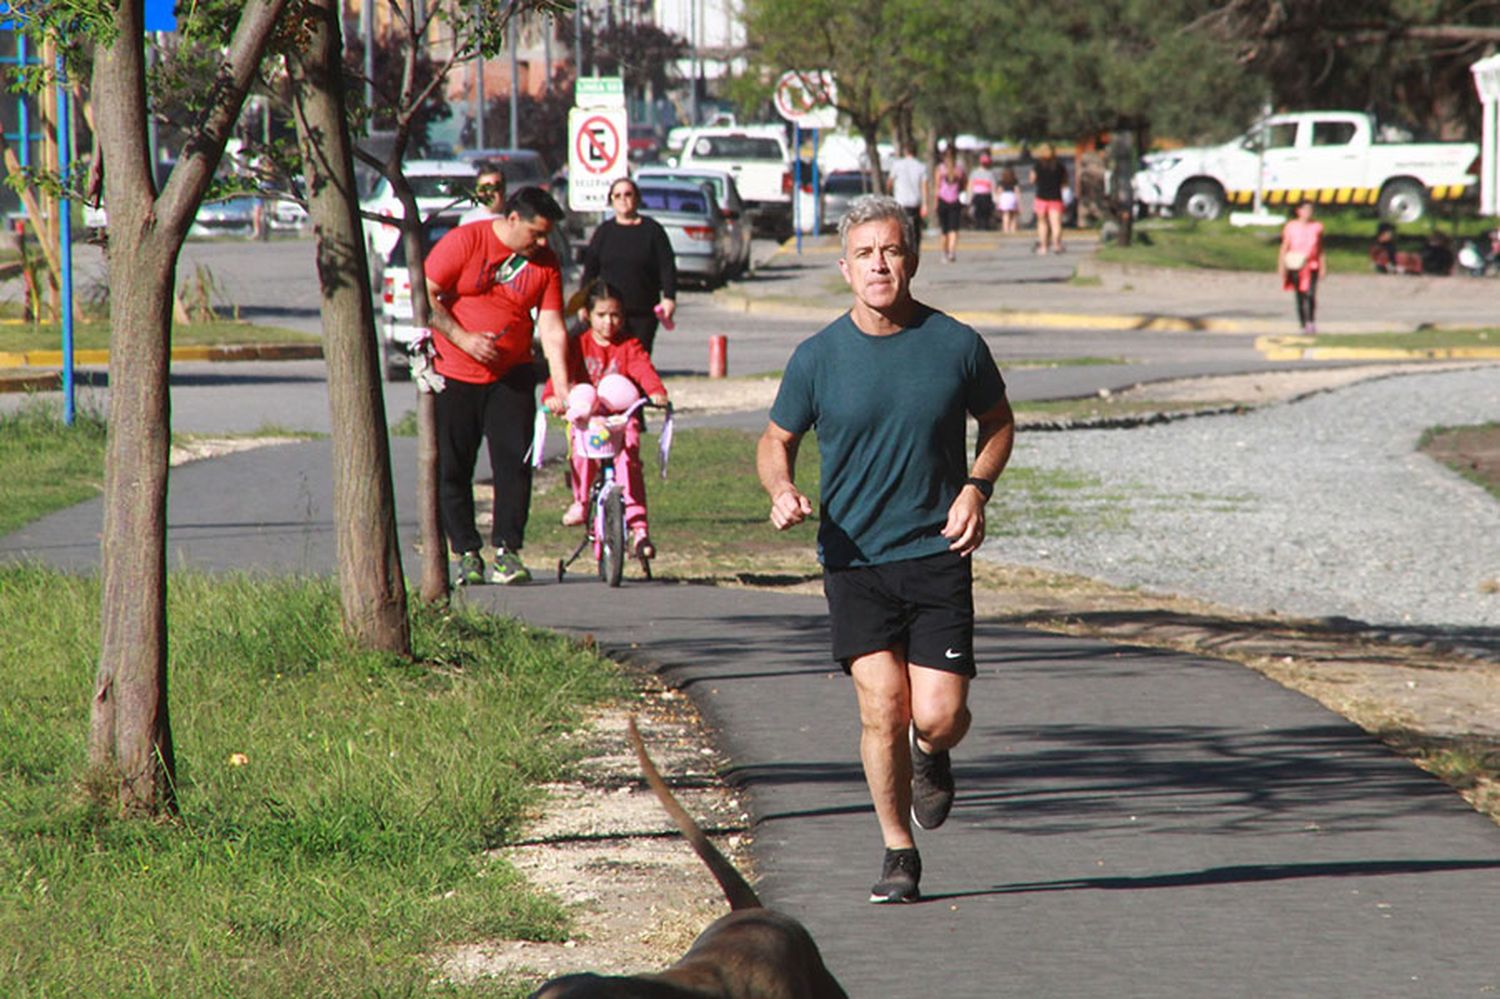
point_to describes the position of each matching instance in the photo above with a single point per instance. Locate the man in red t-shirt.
(485, 281)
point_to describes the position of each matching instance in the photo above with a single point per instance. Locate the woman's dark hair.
(625, 180)
(599, 291)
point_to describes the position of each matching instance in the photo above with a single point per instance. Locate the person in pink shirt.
(1300, 263)
(603, 350)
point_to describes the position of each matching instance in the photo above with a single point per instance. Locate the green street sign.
(599, 92)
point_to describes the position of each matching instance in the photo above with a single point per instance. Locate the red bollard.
(718, 356)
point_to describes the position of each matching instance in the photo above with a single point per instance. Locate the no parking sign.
(597, 155)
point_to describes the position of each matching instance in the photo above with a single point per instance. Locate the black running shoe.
(899, 876)
(931, 785)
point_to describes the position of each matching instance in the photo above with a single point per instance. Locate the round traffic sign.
(598, 144)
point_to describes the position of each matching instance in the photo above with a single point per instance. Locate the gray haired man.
(888, 387)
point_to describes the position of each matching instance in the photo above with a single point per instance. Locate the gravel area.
(1317, 508)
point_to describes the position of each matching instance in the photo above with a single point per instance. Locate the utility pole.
(367, 29)
(515, 85)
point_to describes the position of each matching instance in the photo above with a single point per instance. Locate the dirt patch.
(607, 850)
(1473, 452)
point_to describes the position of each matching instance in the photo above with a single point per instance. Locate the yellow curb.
(1300, 348)
(1048, 320)
(220, 352)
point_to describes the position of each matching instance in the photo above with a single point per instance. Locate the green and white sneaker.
(509, 569)
(470, 569)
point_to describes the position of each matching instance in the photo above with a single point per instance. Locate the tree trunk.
(130, 734)
(371, 582)
(130, 740)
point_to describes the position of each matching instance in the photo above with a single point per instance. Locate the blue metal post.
(817, 184)
(65, 240)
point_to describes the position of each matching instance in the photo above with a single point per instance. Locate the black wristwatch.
(985, 486)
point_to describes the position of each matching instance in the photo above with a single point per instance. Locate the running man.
(888, 388)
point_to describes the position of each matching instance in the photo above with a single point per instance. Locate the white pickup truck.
(1327, 157)
(761, 162)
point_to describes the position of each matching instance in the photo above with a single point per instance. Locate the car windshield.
(522, 173)
(738, 147)
(666, 199)
(847, 183)
(692, 178)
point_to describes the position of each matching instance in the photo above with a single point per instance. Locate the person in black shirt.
(1048, 178)
(633, 253)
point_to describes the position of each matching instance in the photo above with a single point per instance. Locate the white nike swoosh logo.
(950, 654)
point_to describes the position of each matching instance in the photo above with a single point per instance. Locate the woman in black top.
(1048, 178)
(633, 253)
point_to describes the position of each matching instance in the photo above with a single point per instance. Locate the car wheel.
(1200, 199)
(1403, 202)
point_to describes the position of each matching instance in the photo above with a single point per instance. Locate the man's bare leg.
(880, 683)
(939, 707)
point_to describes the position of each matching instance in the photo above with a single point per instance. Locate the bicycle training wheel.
(612, 551)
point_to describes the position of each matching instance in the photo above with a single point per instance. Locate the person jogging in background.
(889, 387)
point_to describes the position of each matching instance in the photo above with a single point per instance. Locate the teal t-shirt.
(890, 413)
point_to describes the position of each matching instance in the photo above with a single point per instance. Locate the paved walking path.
(1131, 822)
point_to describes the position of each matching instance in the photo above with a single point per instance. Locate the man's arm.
(478, 344)
(554, 337)
(997, 436)
(776, 463)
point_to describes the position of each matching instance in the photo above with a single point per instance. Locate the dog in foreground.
(751, 953)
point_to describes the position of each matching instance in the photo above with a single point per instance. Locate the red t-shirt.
(490, 288)
(589, 360)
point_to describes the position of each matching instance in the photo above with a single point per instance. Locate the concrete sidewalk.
(1131, 822)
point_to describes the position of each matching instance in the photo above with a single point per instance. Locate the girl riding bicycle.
(602, 351)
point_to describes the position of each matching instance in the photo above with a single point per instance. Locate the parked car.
(644, 144)
(396, 329)
(836, 190)
(285, 214)
(737, 216)
(1330, 157)
(521, 167)
(226, 217)
(695, 225)
(760, 160)
(441, 186)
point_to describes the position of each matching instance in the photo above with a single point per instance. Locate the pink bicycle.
(600, 439)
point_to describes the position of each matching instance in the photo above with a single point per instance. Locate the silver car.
(738, 217)
(694, 223)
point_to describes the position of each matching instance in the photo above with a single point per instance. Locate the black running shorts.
(924, 605)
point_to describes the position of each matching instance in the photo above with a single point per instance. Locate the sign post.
(598, 142)
(1487, 82)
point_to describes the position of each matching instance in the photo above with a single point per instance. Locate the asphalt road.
(275, 283)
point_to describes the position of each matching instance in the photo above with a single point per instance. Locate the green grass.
(48, 465)
(94, 335)
(335, 805)
(1218, 245)
(1434, 339)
